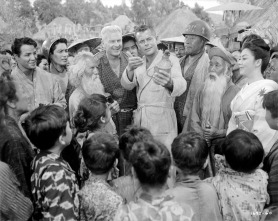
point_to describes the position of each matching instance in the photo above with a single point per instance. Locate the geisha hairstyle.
(89, 112)
(259, 49)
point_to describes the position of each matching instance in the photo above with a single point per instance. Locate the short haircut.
(59, 41)
(243, 151)
(77, 68)
(128, 38)
(18, 42)
(40, 57)
(132, 135)
(100, 152)
(270, 103)
(143, 28)
(151, 161)
(108, 30)
(89, 112)
(189, 151)
(45, 125)
(259, 49)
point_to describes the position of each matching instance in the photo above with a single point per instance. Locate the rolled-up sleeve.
(126, 83)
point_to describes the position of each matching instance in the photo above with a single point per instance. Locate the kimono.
(162, 208)
(195, 76)
(44, 89)
(242, 196)
(248, 113)
(155, 103)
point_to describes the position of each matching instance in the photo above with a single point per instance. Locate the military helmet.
(46, 46)
(199, 28)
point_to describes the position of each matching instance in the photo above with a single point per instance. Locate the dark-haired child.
(270, 103)
(151, 162)
(190, 155)
(240, 185)
(54, 184)
(126, 185)
(98, 200)
(93, 115)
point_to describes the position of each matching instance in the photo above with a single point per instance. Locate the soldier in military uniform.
(194, 66)
(112, 63)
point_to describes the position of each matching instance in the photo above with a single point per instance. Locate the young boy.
(54, 185)
(190, 154)
(151, 162)
(270, 103)
(125, 185)
(98, 200)
(240, 185)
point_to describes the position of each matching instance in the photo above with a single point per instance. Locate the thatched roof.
(59, 24)
(124, 23)
(175, 23)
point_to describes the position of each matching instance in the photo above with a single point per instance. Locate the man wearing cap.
(112, 63)
(179, 49)
(194, 67)
(211, 111)
(34, 86)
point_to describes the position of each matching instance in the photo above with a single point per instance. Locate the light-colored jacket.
(155, 103)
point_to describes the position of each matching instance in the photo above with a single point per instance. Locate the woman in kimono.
(247, 110)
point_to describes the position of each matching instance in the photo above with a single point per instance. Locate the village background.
(82, 19)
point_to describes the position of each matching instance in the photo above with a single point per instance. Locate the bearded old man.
(194, 66)
(211, 110)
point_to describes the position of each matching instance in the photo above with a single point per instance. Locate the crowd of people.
(135, 133)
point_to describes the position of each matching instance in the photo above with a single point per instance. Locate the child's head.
(48, 126)
(270, 103)
(243, 151)
(151, 161)
(132, 135)
(100, 152)
(92, 112)
(190, 152)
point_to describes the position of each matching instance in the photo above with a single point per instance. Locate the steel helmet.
(46, 46)
(199, 28)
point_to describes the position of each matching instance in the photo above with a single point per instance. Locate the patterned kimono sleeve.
(59, 193)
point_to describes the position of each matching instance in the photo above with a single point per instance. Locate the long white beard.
(212, 94)
(92, 85)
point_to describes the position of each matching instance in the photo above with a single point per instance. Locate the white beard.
(212, 94)
(92, 85)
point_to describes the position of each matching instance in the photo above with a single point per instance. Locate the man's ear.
(102, 119)
(61, 140)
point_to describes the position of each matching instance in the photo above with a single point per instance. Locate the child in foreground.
(190, 155)
(240, 185)
(151, 162)
(54, 184)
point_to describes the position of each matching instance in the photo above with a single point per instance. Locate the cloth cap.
(227, 56)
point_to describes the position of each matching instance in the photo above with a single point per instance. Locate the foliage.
(200, 13)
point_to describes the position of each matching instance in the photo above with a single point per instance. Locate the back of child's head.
(100, 152)
(151, 161)
(243, 151)
(89, 112)
(189, 151)
(45, 125)
(270, 103)
(132, 135)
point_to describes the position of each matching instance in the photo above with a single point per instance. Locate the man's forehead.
(217, 59)
(27, 48)
(114, 36)
(144, 34)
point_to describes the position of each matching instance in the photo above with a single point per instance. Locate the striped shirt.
(13, 204)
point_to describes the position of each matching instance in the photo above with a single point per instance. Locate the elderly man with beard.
(112, 63)
(211, 111)
(194, 66)
(84, 76)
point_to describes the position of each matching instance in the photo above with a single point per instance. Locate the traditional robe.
(195, 76)
(112, 85)
(195, 118)
(249, 114)
(155, 103)
(44, 89)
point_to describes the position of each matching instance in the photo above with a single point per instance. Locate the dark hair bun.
(79, 120)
